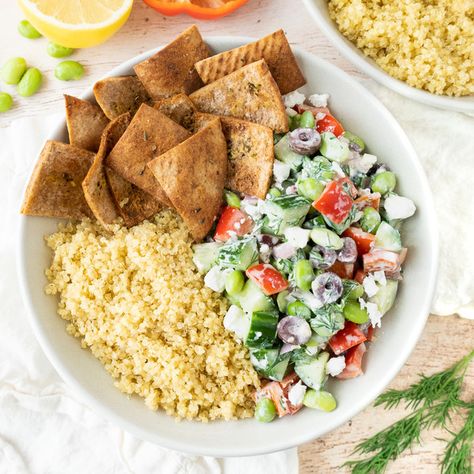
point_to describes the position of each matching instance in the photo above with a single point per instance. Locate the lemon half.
(77, 23)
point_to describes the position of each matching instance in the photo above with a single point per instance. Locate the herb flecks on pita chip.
(119, 95)
(180, 108)
(171, 70)
(55, 188)
(85, 123)
(249, 93)
(193, 175)
(149, 135)
(276, 51)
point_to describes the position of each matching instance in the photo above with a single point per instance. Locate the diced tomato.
(370, 333)
(383, 260)
(329, 124)
(343, 270)
(359, 276)
(334, 202)
(363, 240)
(287, 383)
(349, 336)
(278, 393)
(348, 186)
(353, 358)
(290, 379)
(268, 278)
(368, 200)
(232, 220)
(300, 108)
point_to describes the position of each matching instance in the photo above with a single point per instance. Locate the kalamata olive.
(327, 287)
(348, 253)
(294, 330)
(321, 257)
(305, 141)
(268, 239)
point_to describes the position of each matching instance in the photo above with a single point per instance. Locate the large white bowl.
(319, 11)
(361, 113)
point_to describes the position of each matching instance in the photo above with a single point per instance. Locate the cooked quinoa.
(135, 299)
(427, 43)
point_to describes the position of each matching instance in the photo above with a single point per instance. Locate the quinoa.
(429, 44)
(135, 299)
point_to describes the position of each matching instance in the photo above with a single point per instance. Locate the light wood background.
(445, 339)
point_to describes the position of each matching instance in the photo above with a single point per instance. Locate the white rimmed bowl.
(361, 113)
(319, 11)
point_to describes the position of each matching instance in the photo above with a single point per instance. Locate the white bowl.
(319, 11)
(362, 114)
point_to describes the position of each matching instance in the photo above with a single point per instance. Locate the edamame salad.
(309, 271)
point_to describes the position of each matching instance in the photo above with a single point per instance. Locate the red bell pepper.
(329, 124)
(343, 270)
(383, 260)
(334, 203)
(364, 240)
(201, 9)
(349, 336)
(353, 358)
(232, 220)
(268, 278)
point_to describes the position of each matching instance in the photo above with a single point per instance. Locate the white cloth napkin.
(45, 429)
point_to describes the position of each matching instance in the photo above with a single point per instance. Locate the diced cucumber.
(270, 363)
(239, 254)
(326, 238)
(205, 255)
(333, 149)
(281, 300)
(262, 329)
(385, 297)
(284, 153)
(388, 238)
(313, 373)
(319, 168)
(320, 400)
(286, 211)
(313, 346)
(253, 299)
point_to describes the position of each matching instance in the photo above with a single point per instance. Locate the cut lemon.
(77, 23)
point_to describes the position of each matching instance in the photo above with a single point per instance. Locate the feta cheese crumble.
(293, 98)
(297, 236)
(399, 207)
(362, 164)
(284, 250)
(296, 394)
(215, 279)
(370, 286)
(318, 100)
(335, 365)
(281, 171)
(236, 321)
(375, 315)
(379, 277)
(291, 112)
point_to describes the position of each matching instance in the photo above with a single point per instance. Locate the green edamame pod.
(370, 220)
(297, 308)
(304, 274)
(69, 71)
(58, 51)
(232, 199)
(26, 29)
(307, 120)
(13, 70)
(310, 188)
(384, 182)
(30, 82)
(6, 101)
(355, 140)
(265, 410)
(353, 312)
(319, 399)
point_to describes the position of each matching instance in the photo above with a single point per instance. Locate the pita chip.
(193, 175)
(55, 187)
(85, 123)
(171, 70)
(180, 108)
(250, 93)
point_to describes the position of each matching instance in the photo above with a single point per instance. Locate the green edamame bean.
(13, 70)
(234, 282)
(307, 120)
(297, 308)
(356, 140)
(30, 82)
(26, 29)
(265, 410)
(58, 51)
(353, 312)
(310, 188)
(356, 292)
(319, 399)
(232, 199)
(384, 182)
(370, 219)
(69, 71)
(274, 192)
(304, 274)
(6, 101)
(295, 122)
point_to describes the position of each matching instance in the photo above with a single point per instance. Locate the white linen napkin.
(44, 428)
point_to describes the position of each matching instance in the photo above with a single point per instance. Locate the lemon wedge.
(77, 23)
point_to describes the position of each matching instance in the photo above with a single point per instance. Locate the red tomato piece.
(349, 336)
(274, 392)
(348, 186)
(343, 270)
(384, 260)
(363, 240)
(334, 202)
(354, 358)
(368, 200)
(268, 278)
(232, 220)
(329, 124)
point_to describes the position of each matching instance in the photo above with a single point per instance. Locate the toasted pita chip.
(85, 123)
(193, 175)
(249, 93)
(276, 51)
(119, 95)
(171, 70)
(250, 154)
(55, 187)
(150, 134)
(180, 108)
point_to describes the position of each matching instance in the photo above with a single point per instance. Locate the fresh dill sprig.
(434, 399)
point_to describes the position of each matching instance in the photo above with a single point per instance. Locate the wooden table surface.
(444, 340)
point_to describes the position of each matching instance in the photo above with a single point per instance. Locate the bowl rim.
(160, 438)
(368, 66)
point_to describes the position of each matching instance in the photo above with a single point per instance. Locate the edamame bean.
(384, 182)
(265, 410)
(232, 199)
(295, 122)
(304, 274)
(307, 120)
(30, 82)
(58, 51)
(234, 282)
(6, 101)
(353, 312)
(356, 143)
(297, 308)
(319, 399)
(370, 219)
(274, 192)
(26, 29)
(356, 292)
(13, 70)
(310, 188)
(69, 71)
